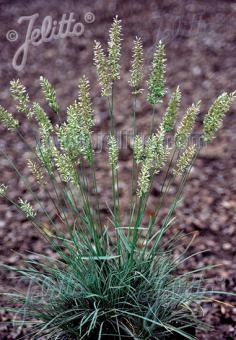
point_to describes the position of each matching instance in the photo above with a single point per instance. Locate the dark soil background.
(200, 39)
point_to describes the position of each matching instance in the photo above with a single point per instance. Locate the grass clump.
(108, 281)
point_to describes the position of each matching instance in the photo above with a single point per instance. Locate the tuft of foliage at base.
(106, 297)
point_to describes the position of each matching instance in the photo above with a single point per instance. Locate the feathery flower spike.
(136, 72)
(161, 151)
(69, 132)
(155, 151)
(26, 207)
(214, 117)
(65, 166)
(170, 115)
(7, 119)
(21, 96)
(3, 189)
(85, 103)
(185, 160)
(186, 126)
(44, 151)
(150, 148)
(144, 178)
(44, 123)
(113, 152)
(36, 171)
(156, 82)
(49, 93)
(114, 49)
(138, 149)
(86, 119)
(155, 156)
(75, 134)
(102, 70)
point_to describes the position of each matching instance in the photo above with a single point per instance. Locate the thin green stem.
(133, 165)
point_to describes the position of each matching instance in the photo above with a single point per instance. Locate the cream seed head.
(156, 82)
(85, 145)
(185, 160)
(150, 148)
(114, 49)
(161, 152)
(75, 135)
(85, 103)
(21, 96)
(3, 189)
(138, 149)
(113, 152)
(171, 112)
(26, 208)
(186, 126)
(154, 148)
(161, 158)
(65, 166)
(213, 119)
(49, 93)
(136, 72)
(37, 171)
(154, 159)
(144, 178)
(73, 115)
(103, 72)
(45, 125)
(7, 119)
(68, 136)
(44, 151)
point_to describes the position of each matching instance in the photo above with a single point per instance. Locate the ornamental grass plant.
(107, 281)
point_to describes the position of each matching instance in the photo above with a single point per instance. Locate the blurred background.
(200, 38)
